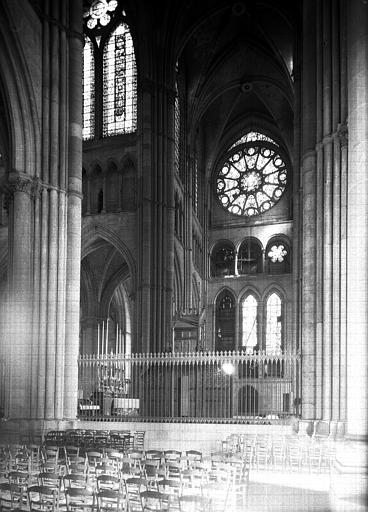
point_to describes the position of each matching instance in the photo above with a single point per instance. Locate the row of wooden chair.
(72, 493)
(282, 452)
(122, 439)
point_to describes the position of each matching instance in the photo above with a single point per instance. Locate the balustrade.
(213, 386)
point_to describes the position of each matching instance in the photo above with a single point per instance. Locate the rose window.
(252, 178)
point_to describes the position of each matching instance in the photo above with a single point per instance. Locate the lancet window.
(109, 72)
(249, 323)
(273, 323)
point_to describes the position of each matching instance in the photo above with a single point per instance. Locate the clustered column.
(44, 236)
(156, 218)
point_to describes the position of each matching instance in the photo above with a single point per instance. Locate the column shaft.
(357, 225)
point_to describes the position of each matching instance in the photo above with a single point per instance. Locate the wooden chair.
(193, 456)
(108, 482)
(72, 481)
(171, 488)
(108, 500)
(11, 497)
(154, 500)
(42, 499)
(79, 500)
(134, 487)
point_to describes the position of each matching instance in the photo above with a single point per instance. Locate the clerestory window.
(109, 72)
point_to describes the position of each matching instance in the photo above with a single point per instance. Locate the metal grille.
(223, 387)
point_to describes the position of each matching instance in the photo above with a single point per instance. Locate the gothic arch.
(247, 290)
(178, 285)
(92, 233)
(111, 285)
(225, 320)
(196, 294)
(273, 287)
(19, 103)
(89, 290)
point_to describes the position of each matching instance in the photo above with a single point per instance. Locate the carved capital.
(20, 183)
(342, 132)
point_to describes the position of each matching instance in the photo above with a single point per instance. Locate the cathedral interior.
(180, 223)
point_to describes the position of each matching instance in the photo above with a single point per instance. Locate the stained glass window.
(252, 178)
(177, 129)
(195, 186)
(277, 253)
(225, 322)
(88, 90)
(119, 83)
(253, 136)
(249, 338)
(273, 324)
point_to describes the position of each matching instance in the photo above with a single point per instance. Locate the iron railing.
(226, 386)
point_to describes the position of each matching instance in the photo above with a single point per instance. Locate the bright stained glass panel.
(249, 323)
(253, 176)
(177, 130)
(252, 136)
(119, 83)
(273, 324)
(88, 90)
(195, 186)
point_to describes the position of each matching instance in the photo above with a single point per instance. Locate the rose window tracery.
(99, 13)
(252, 178)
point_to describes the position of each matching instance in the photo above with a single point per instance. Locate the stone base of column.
(332, 429)
(305, 427)
(349, 477)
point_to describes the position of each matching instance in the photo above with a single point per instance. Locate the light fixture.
(228, 368)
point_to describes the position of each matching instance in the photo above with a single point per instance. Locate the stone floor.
(282, 491)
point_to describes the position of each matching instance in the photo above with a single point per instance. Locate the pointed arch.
(92, 233)
(274, 315)
(112, 187)
(178, 286)
(22, 139)
(88, 89)
(225, 311)
(128, 184)
(249, 320)
(196, 294)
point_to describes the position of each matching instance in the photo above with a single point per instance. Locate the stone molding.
(32, 186)
(343, 134)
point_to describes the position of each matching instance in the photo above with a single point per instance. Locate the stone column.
(74, 211)
(18, 332)
(349, 479)
(308, 214)
(156, 217)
